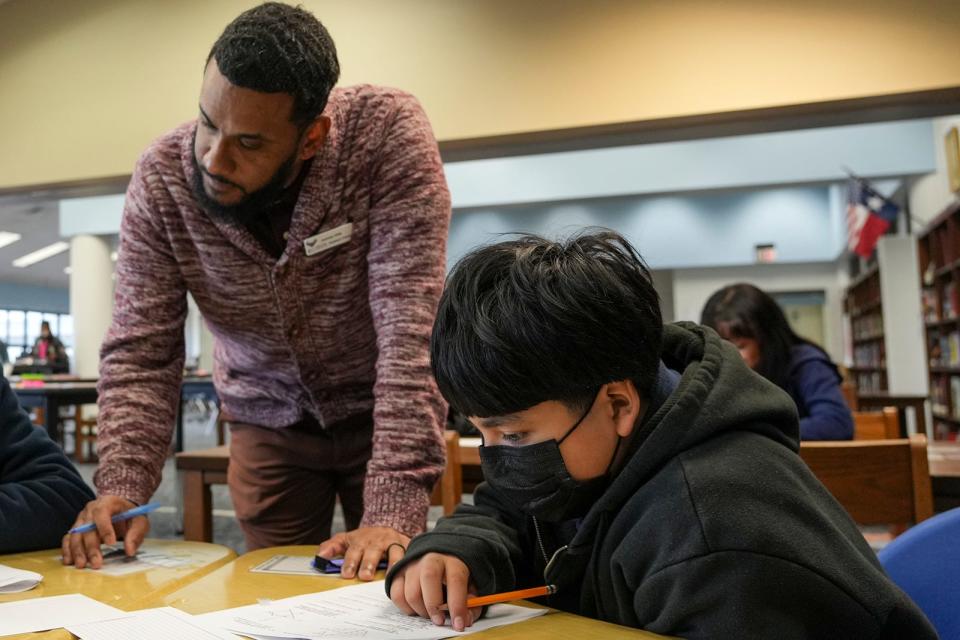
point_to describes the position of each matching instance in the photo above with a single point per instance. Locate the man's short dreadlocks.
(278, 48)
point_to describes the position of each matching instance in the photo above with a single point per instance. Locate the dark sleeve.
(484, 535)
(737, 594)
(40, 491)
(828, 416)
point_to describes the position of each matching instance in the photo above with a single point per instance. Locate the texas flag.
(869, 215)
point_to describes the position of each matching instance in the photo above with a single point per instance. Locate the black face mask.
(535, 479)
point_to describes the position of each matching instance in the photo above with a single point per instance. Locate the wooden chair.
(876, 425)
(449, 489)
(878, 482)
(84, 436)
(201, 470)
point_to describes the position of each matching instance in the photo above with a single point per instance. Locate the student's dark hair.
(744, 311)
(278, 48)
(530, 320)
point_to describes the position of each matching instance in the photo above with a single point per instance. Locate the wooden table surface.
(233, 585)
(944, 458)
(123, 592)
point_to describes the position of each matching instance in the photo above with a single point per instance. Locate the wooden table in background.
(944, 458)
(881, 399)
(201, 469)
(123, 592)
(233, 585)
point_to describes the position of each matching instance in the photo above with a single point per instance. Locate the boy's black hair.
(743, 311)
(530, 320)
(278, 48)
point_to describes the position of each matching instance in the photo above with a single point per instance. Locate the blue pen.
(120, 517)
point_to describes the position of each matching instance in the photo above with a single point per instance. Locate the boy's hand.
(418, 589)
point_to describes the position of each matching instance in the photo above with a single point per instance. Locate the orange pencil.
(507, 596)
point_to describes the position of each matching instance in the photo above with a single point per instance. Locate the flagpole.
(906, 200)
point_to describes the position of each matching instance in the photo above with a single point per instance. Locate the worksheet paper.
(150, 624)
(117, 563)
(42, 614)
(358, 611)
(17, 580)
(291, 565)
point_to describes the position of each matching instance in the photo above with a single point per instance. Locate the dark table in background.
(53, 395)
(56, 393)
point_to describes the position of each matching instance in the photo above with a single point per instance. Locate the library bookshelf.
(938, 252)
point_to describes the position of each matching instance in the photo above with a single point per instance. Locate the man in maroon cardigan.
(309, 224)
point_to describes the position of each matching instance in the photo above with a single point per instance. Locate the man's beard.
(252, 205)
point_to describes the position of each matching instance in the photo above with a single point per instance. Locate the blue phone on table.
(334, 566)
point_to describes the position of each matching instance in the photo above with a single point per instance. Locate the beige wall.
(87, 84)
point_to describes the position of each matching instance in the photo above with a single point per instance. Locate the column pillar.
(91, 299)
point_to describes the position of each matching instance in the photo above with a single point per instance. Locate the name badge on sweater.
(328, 239)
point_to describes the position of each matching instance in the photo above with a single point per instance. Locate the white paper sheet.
(357, 611)
(16, 580)
(291, 565)
(150, 624)
(41, 614)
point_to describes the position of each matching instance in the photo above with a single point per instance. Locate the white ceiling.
(38, 223)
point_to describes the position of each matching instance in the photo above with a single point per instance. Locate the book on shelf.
(869, 382)
(869, 355)
(943, 431)
(951, 305)
(939, 395)
(929, 298)
(867, 327)
(934, 349)
(946, 351)
(955, 396)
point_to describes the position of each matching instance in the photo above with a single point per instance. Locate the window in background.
(4, 356)
(34, 318)
(19, 330)
(65, 329)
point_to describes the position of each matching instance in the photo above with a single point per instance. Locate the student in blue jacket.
(40, 491)
(754, 322)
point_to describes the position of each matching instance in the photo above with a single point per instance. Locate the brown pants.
(284, 482)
